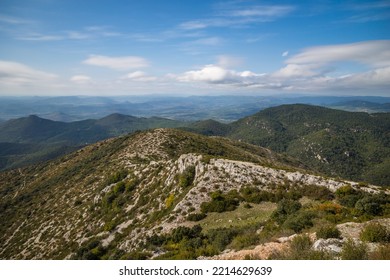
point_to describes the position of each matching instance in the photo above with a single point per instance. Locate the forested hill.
(351, 145)
(32, 139)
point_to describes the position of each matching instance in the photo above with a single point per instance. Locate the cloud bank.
(18, 74)
(312, 69)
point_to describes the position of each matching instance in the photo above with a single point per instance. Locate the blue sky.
(101, 47)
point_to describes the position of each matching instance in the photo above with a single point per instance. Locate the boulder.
(332, 245)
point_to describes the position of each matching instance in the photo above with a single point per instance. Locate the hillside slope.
(351, 145)
(122, 197)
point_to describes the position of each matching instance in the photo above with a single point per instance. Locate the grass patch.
(240, 217)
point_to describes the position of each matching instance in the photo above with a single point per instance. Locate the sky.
(192, 47)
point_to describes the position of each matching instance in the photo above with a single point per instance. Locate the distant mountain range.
(33, 139)
(193, 108)
(350, 145)
(361, 106)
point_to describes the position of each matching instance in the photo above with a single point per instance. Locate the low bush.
(169, 201)
(299, 221)
(300, 249)
(254, 195)
(131, 185)
(91, 250)
(116, 177)
(285, 207)
(348, 196)
(381, 253)
(221, 237)
(194, 217)
(354, 251)
(317, 192)
(372, 204)
(375, 232)
(244, 240)
(120, 187)
(181, 233)
(328, 231)
(187, 177)
(221, 202)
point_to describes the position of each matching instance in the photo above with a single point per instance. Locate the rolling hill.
(33, 139)
(351, 145)
(171, 194)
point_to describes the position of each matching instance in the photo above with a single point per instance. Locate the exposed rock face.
(332, 245)
(352, 230)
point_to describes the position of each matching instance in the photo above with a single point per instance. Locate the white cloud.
(80, 79)
(234, 15)
(18, 74)
(263, 11)
(314, 69)
(370, 79)
(85, 33)
(117, 63)
(215, 74)
(210, 74)
(190, 25)
(372, 53)
(284, 54)
(139, 76)
(40, 37)
(295, 70)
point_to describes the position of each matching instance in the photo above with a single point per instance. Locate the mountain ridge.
(47, 138)
(113, 198)
(353, 145)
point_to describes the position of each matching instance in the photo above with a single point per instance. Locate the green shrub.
(187, 177)
(221, 237)
(328, 231)
(169, 201)
(156, 240)
(299, 221)
(196, 217)
(131, 185)
(110, 225)
(221, 202)
(181, 232)
(354, 251)
(375, 232)
(317, 192)
(285, 207)
(136, 255)
(244, 240)
(254, 195)
(300, 243)
(116, 177)
(381, 253)
(119, 188)
(91, 250)
(372, 204)
(348, 196)
(300, 249)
